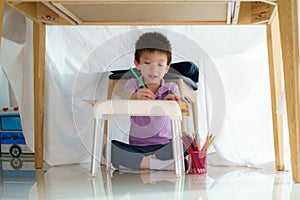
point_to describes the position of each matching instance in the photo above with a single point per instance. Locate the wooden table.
(278, 17)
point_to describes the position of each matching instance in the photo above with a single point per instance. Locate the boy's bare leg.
(145, 164)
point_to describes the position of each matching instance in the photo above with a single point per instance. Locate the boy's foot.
(157, 164)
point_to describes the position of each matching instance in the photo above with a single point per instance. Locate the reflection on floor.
(21, 181)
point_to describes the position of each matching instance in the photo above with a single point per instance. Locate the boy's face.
(153, 66)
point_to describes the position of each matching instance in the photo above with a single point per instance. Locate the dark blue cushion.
(187, 69)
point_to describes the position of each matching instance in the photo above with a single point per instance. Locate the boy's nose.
(154, 66)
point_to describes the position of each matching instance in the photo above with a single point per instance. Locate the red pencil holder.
(197, 162)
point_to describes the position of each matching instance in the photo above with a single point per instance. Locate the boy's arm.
(131, 91)
(174, 93)
(172, 97)
(143, 94)
(140, 94)
(127, 93)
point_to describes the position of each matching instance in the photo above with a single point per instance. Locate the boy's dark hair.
(150, 42)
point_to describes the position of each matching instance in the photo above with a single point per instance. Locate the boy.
(150, 145)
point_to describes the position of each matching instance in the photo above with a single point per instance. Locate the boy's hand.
(143, 94)
(173, 97)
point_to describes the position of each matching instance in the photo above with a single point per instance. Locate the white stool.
(104, 110)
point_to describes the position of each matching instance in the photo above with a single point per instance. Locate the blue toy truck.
(11, 134)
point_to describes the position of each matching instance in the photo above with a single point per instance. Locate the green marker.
(137, 78)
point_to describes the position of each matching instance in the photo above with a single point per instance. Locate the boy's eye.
(158, 64)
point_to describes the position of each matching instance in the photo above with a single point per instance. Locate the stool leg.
(108, 147)
(95, 149)
(180, 148)
(177, 147)
(174, 144)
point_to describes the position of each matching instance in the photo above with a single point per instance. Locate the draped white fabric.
(233, 89)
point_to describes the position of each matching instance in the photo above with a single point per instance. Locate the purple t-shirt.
(147, 130)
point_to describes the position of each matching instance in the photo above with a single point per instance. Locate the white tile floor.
(75, 182)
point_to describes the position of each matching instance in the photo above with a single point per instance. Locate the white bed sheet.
(233, 89)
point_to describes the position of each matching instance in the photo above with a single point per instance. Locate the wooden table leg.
(40, 184)
(39, 33)
(275, 67)
(288, 20)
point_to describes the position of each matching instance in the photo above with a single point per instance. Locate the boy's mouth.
(153, 76)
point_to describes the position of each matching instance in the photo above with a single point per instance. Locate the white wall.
(4, 90)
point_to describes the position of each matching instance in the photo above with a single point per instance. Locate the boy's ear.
(136, 63)
(167, 68)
